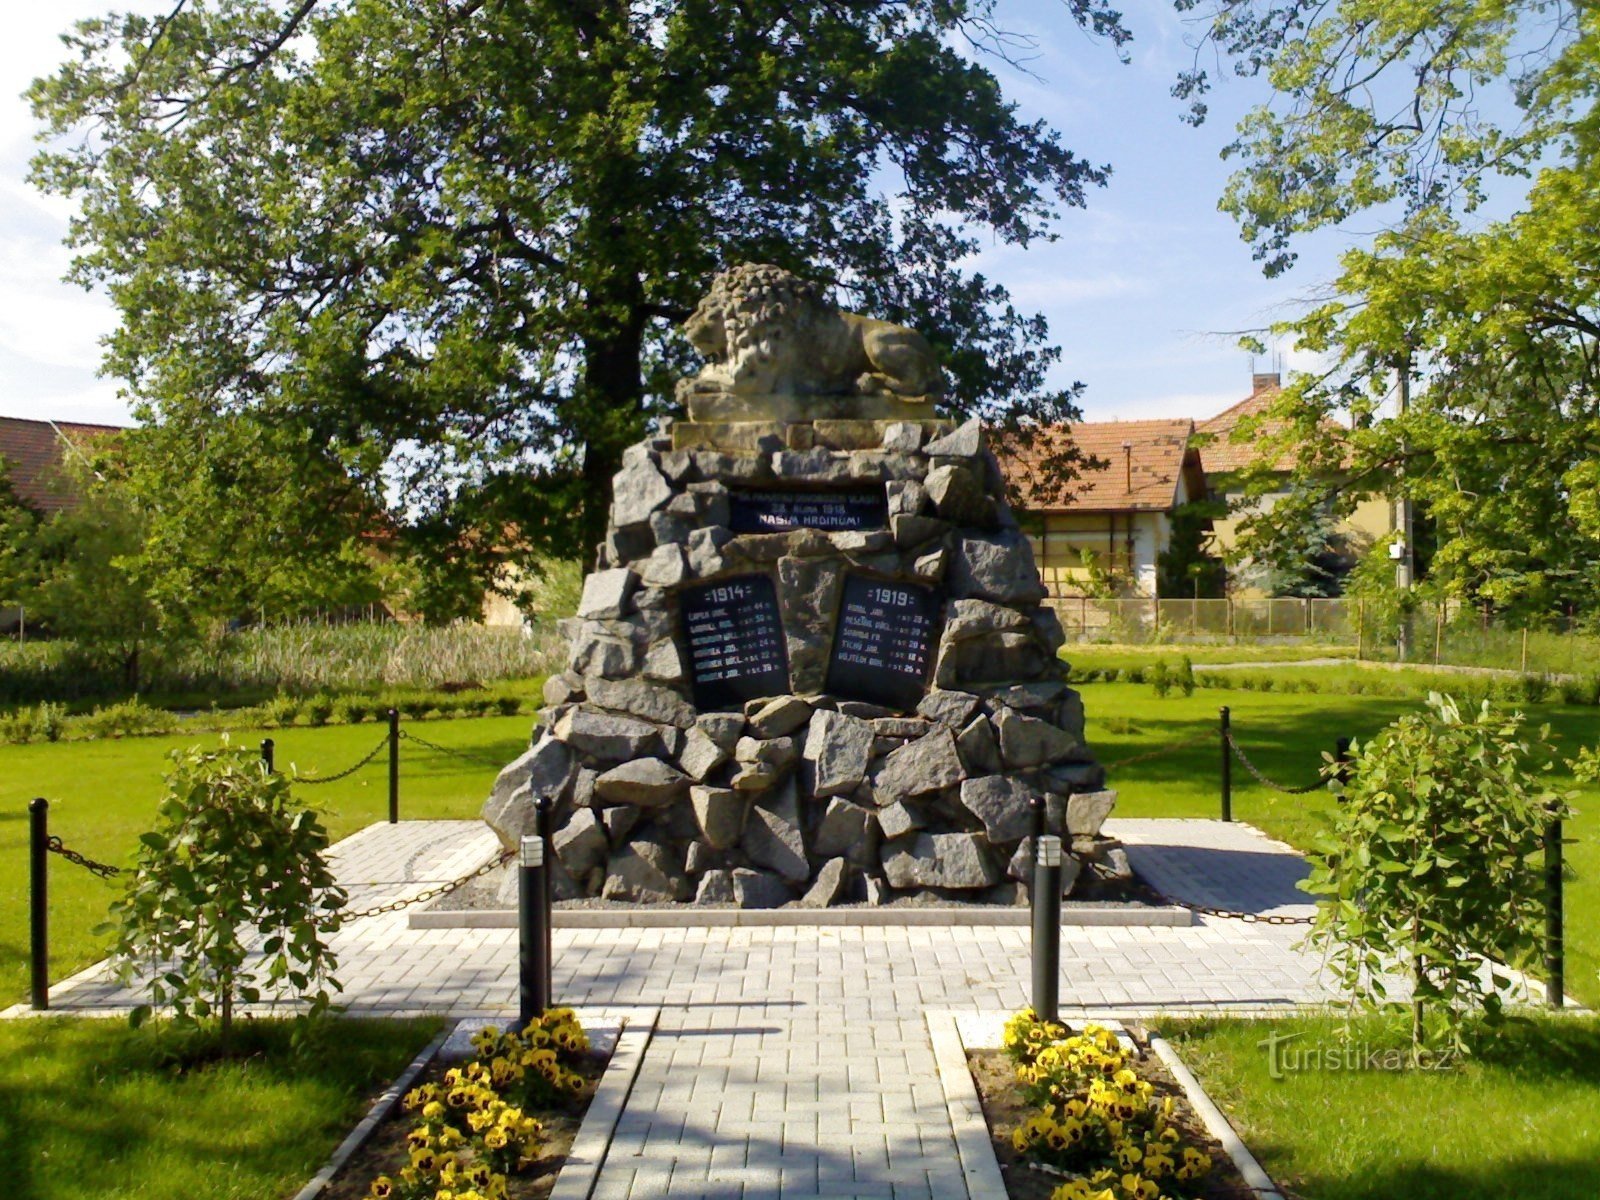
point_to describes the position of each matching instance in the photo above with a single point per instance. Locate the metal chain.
(1239, 753)
(348, 771)
(104, 870)
(453, 753)
(433, 893)
(1172, 749)
(1249, 918)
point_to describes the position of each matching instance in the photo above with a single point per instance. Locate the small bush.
(1185, 676)
(509, 706)
(17, 728)
(352, 710)
(281, 711)
(1159, 676)
(129, 719)
(1534, 689)
(318, 709)
(51, 721)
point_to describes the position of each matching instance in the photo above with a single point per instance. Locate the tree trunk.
(610, 415)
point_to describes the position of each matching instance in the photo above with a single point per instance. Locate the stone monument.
(812, 663)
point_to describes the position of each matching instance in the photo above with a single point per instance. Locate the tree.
(232, 852)
(450, 242)
(1426, 118)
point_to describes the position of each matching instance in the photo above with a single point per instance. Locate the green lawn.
(1285, 736)
(1085, 656)
(103, 794)
(91, 1110)
(1518, 1120)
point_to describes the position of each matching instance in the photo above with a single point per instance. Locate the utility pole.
(1404, 563)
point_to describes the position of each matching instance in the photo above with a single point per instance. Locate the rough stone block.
(1030, 742)
(919, 767)
(700, 755)
(606, 737)
(772, 836)
(581, 843)
(1087, 812)
(776, 717)
(831, 885)
(1001, 803)
(949, 860)
(606, 594)
(645, 782)
(720, 813)
(645, 872)
(759, 889)
(838, 749)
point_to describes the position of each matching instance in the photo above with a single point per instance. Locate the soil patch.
(1004, 1110)
(385, 1152)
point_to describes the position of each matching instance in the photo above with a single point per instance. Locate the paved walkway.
(795, 1061)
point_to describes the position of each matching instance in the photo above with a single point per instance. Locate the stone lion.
(766, 330)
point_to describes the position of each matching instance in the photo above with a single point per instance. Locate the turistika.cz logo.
(1285, 1058)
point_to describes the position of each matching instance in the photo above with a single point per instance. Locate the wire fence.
(1434, 634)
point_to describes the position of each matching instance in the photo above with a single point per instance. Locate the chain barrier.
(348, 771)
(104, 870)
(1274, 785)
(465, 755)
(1172, 749)
(1229, 914)
(433, 893)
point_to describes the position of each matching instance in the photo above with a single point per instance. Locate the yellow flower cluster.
(473, 1131)
(1025, 1035)
(1098, 1118)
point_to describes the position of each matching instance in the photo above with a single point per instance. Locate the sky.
(1139, 286)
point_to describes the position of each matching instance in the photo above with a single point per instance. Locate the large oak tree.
(446, 243)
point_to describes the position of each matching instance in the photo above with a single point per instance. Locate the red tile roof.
(33, 450)
(1221, 454)
(1144, 461)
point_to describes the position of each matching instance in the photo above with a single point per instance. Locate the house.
(1226, 461)
(1115, 521)
(33, 454)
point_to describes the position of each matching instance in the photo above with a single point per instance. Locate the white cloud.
(1197, 406)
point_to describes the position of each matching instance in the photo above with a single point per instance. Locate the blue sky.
(1136, 289)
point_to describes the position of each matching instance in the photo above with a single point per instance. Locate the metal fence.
(1138, 621)
(1447, 634)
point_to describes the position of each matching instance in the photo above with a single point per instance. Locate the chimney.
(1264, 381)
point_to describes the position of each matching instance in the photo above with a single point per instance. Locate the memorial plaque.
(779, 512)
(735, 638)
(884, 640)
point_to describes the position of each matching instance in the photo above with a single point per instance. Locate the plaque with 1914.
(735, 637)
(883, 641)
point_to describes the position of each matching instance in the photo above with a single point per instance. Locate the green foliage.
(474, 346)
(1433, 864)
(1184, 570)
(1411, 116)
(1159, 676)
(232, 855)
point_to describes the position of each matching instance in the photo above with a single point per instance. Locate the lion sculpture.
(766, 330)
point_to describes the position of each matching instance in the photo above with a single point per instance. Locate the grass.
(93, 1109)
(1518, 1120)
(1086, 656)
(103, 796)
(1285, 735)
(299, 659)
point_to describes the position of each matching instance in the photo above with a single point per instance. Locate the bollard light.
(1047, 928)
(532, 851)
(1050, 851)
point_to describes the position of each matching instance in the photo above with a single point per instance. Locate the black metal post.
(1036, 819)
(1047, 928)
(1341, 761)
(1555, 952)
(38, 901)
(543, 821)
(267, 751)
(1227, 768)
(394, 766)
(533, 924)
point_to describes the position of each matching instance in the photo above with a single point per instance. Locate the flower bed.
(496, 1127)
(1081, 1116)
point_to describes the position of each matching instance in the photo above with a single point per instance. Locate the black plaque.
(735, 639)
(779, 512)
(884, 641)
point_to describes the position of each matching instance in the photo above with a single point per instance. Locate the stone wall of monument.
(818, 668)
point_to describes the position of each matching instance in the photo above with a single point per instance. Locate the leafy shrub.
(1583, 689)
(280, 712)
(1534, 689)
(129, 719)
(318, 709)
(232, 851)
(1185, 676)
(51, 721)
(509, 706)
(1159, 676)
(17, 728)
(352, 710)
(1432, 863)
